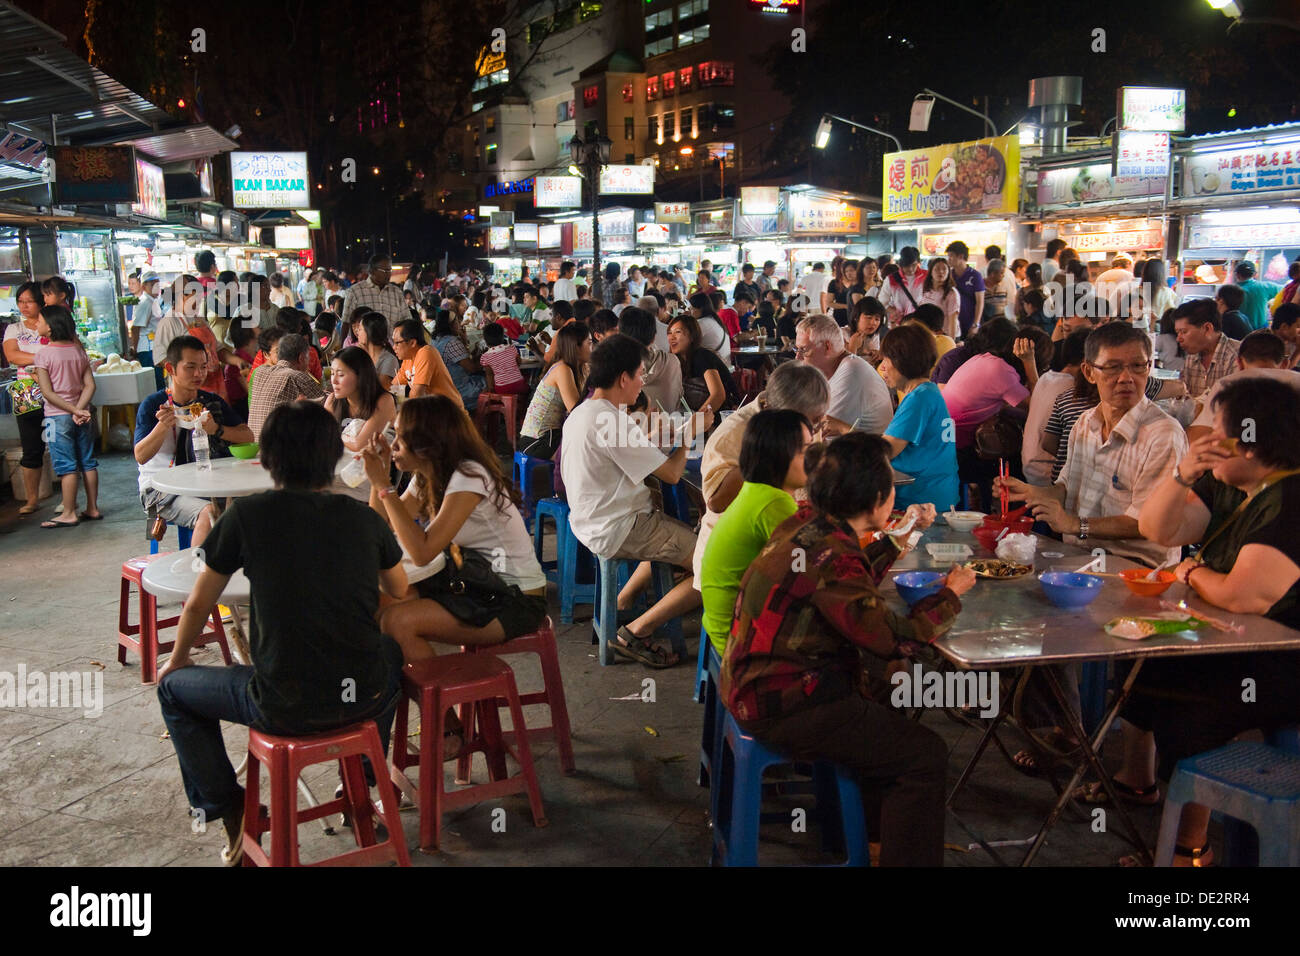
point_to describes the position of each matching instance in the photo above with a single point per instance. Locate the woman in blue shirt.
(465, 372)
(921, 437)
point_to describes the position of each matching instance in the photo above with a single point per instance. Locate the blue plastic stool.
(702, 665)
(711, 738)
(737, 792)
(1240, 841)
(1093, 683)
(574, 571)
(523, 472)
(1248, 782)
(606, 607)
(183, 537)
(676, 503)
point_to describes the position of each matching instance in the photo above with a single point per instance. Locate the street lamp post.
(589, 155)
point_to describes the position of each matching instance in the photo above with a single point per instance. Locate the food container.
(1136, 579)
(946, 552)
(245, 451)
(914, 585)
(963, 520)
(1070, 589)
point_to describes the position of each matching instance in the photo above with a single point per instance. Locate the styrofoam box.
(948, 551)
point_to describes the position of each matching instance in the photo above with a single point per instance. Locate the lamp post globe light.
(589, 155)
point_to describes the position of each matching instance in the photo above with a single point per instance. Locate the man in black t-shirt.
(319, 659)
(746, 284)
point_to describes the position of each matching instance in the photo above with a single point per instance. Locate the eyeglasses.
(1112, 371)
(801, 350)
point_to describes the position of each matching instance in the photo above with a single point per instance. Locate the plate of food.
(1140, 628)
(980, 174)
(187, 416)
(998, 569)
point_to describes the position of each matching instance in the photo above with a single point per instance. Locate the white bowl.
(963, 520)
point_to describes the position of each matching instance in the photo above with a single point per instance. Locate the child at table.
(67, 385)
(501, 363)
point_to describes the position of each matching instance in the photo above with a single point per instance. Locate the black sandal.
(640, 649)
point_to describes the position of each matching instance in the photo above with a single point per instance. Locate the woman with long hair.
(939, 289)
(1155, 295)
(558, 393)
(849, 279)
(466, 374)
(373, 335)
(809, 605)
(705, 379)
(868, 283)
(356, 395)
(827, 303)
(458, 494)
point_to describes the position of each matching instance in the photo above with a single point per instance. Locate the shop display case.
(87, 260)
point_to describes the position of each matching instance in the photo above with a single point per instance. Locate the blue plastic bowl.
(1069, 588)
(914, 585)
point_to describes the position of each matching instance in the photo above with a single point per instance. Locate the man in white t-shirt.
(605, 460)
(814, 284)
(145, 318)
(564, 289)
(860, 398)
(1113, 284)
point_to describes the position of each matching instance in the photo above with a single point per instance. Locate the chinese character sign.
(953, 179)
(557, 192)
(1241, 171)
(823, 216)
(673, 212)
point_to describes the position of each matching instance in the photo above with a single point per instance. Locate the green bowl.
(247, 450)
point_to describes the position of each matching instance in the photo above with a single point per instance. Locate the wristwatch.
(1083, 529)
(1178, 477)
(220, 431)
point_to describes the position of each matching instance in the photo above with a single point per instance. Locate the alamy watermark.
(80, 690)
(922, 688)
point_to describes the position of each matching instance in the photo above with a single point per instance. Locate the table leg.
(1091, 761)
(989, 735)
(237, 636)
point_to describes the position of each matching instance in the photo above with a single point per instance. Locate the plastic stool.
(676, 503)
(541, 643)
(286, 758)
(184, 536)
(489, 402)
(1286, 738)
(142, 638)
(442, 682)
(573, 560)
(523, 472)
(606, 609)
(1253, 783)
(711, 737)
(736, 800)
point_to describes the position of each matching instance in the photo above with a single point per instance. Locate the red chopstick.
(1003, 472)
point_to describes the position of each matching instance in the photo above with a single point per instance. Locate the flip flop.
(1094, 793)
(89, 517)
(29, 510)
(59, 524)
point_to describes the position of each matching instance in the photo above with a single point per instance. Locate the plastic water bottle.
(202, 458)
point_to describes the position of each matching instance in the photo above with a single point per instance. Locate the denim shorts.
(72, 446)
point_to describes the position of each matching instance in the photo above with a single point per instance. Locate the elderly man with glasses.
(1118, 453)
(859, 397)
(377, 293)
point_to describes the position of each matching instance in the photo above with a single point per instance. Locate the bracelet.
(385, 492)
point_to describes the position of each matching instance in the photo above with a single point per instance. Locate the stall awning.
(174, 146)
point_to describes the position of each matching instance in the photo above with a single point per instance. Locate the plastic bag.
(1018, 547)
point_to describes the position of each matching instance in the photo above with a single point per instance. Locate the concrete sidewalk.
(106, 790)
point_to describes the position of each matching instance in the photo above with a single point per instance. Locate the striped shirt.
(1112, 478)
(505, 370)
(387, 301)
(1223, 362)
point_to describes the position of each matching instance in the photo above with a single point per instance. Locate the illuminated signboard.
(1115, 236)
(617, 231)
(974, 178)
(485, 212)
(557, 192)
(526, 232)
(209, 222)
(1236, 171)
(759, 200)
(204, 169)
(1150, 109)
(292, 237)
(499, 237)
(1141, 154)
(651, 233)
(627, 180)
(311, 215)
(776, 6)
(508, 188)
(673, 212)
(824, 216)
(269, 180)
(1084, 184)
(489, 62)
(152, 191)
(549, 237)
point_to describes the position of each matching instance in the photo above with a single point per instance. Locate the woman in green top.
(771, 462)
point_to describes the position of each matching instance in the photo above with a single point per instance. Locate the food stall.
(958, 191)
(88, 259)
(1239, 198)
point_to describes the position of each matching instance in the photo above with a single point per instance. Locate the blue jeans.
(195, 700)
(72, 446)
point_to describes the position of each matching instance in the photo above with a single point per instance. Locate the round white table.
(228, 478)
(172, 576)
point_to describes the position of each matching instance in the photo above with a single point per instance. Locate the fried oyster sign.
(953, 179)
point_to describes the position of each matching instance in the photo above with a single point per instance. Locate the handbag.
(468, 587)
(999, 437)
(25, 394)
(696, 392)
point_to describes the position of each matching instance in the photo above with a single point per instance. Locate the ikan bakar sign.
(271, 180)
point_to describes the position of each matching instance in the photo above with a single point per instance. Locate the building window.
(691, 8)
(688, 37)
(687, 128)
(591, 8)
(670, 83)
(629, 159)
(716, 116)
(654, 21)
(651, 88)
(489, 123)
(590, 95)
(716, 73)
(686, 78)
(629, 92)
(564, 112)
(654, 129)
(490, 154)
(629, 128)
(670, 125)
(537, 31)
(656, 47)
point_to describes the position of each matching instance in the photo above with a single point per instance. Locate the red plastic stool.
(489, 402)
(286, 758)
(541, 643)
(437, 684)
(142, 638)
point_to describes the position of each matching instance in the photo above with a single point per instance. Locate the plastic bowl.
(1136, 580)
(247, 450)
(963, 520)
(987, 536)
(1070, 588)
(914, 585)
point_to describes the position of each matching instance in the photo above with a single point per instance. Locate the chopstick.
(1004, 472)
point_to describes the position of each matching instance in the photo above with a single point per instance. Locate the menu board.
(152, 192)
(1236, 171)
(982, 176)
(824, 216)
(1084, 184)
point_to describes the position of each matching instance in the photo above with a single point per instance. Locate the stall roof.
(174, 146)
(1252, 132)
